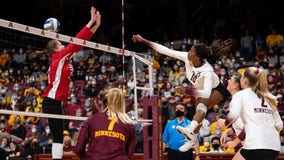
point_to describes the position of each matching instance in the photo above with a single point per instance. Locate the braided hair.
(215, 51)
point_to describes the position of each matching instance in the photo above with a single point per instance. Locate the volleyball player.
(257, 108)
(207, 87)
(59, 73)
(108, 135)
(234, 86)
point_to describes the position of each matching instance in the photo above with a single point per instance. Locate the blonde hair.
(114, 102)
(258, 82)
(51, 46)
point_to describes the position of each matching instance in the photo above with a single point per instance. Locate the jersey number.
(262, 103)
(194, 76)
(111, 123)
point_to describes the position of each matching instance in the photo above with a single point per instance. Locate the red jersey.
(107, 138)
(60, 68)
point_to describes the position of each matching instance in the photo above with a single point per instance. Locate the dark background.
(154, 19)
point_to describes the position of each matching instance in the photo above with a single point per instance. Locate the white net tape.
(61, 37)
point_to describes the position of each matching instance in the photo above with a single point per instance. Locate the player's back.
(109, 137)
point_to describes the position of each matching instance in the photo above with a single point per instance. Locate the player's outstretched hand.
(137, 38)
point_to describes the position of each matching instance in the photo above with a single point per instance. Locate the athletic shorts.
(223, 90)
(263, 154)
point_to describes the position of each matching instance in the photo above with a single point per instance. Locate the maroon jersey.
(60, 68)
(107, 138)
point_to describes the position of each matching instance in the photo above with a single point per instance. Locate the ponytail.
(258, 82)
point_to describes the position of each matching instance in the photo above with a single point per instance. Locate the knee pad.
(201, 107)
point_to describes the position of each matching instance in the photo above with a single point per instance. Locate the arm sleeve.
(132, 142)
(71, 48)
(234, 110)
(277, 120)
(83, 139)
(181, 55)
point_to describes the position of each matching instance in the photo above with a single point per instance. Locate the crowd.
(23, 77)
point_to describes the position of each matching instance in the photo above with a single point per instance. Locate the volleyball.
(51, 24)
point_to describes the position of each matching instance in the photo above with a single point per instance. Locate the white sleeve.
(235, 109)
(277, 120)
(181, 55)
(207, 89)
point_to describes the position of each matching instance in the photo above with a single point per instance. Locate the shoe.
(187, 132)
(187, 146)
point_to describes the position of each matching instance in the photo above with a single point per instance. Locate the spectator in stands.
(105, 58)
(18, 132)
(113, 74)
(215, 142)
(30, 94)
(101, 82)
(58, 87)
(273, 41)
(14, 150)
(33, 149)
(174, 72)
(19, 77)
(182, 74)
(5, 141)
(165, 69)
(246, 46)
(4, 57)
(79, 71)
(32, 132)
(161, 83)
(213, 113)
(20, 57)
(140, 74)
(206, 146)
(168, 111)
(73, 106)
(3, 81)
(91, 90)
(34, 109)
(45, 139)
(172, 140)
(4, 126)
(67, 143)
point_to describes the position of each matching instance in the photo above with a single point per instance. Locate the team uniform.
(203, 78)
(261, 125)
(175, 140)
(108, 139)
(57, 90)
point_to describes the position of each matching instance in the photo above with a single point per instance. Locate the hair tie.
(257, 71)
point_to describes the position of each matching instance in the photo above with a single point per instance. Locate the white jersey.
(203, 78)
(261, 122)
